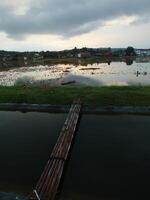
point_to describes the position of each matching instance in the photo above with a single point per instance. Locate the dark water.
(26, 141)
(110, 159)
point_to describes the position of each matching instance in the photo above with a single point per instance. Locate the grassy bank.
(92, 96)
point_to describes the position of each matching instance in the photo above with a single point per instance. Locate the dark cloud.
(68, 17)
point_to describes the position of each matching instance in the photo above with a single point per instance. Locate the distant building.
(84, 55)
(143, 52)
(37, 57)
(25, 58)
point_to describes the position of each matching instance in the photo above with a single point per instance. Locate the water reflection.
(75, 62)
(118, 72)
(129, 61)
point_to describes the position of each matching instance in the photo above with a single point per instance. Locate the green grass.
(91, 96)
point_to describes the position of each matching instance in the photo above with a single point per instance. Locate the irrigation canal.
(110, 158)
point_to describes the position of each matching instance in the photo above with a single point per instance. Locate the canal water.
(110, 158)
(135, 72)
(26, 141)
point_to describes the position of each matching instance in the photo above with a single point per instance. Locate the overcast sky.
(61, 24)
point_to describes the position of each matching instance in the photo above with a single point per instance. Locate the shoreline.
(69, 61)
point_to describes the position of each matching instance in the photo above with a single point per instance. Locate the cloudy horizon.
(64, 24)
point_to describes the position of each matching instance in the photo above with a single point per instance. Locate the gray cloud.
(68, 17)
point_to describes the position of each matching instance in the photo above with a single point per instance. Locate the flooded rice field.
(97, 74)
(110, 158)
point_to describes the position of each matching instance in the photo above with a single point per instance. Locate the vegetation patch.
(90, 96)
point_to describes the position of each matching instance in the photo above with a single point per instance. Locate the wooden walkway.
(47, 186)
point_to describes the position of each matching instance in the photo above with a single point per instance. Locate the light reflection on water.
(97, 74)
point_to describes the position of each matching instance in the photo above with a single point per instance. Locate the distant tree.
(84, 49)
(75, 50)
(130, 51)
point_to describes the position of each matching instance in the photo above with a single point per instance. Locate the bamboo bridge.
(48, 184)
